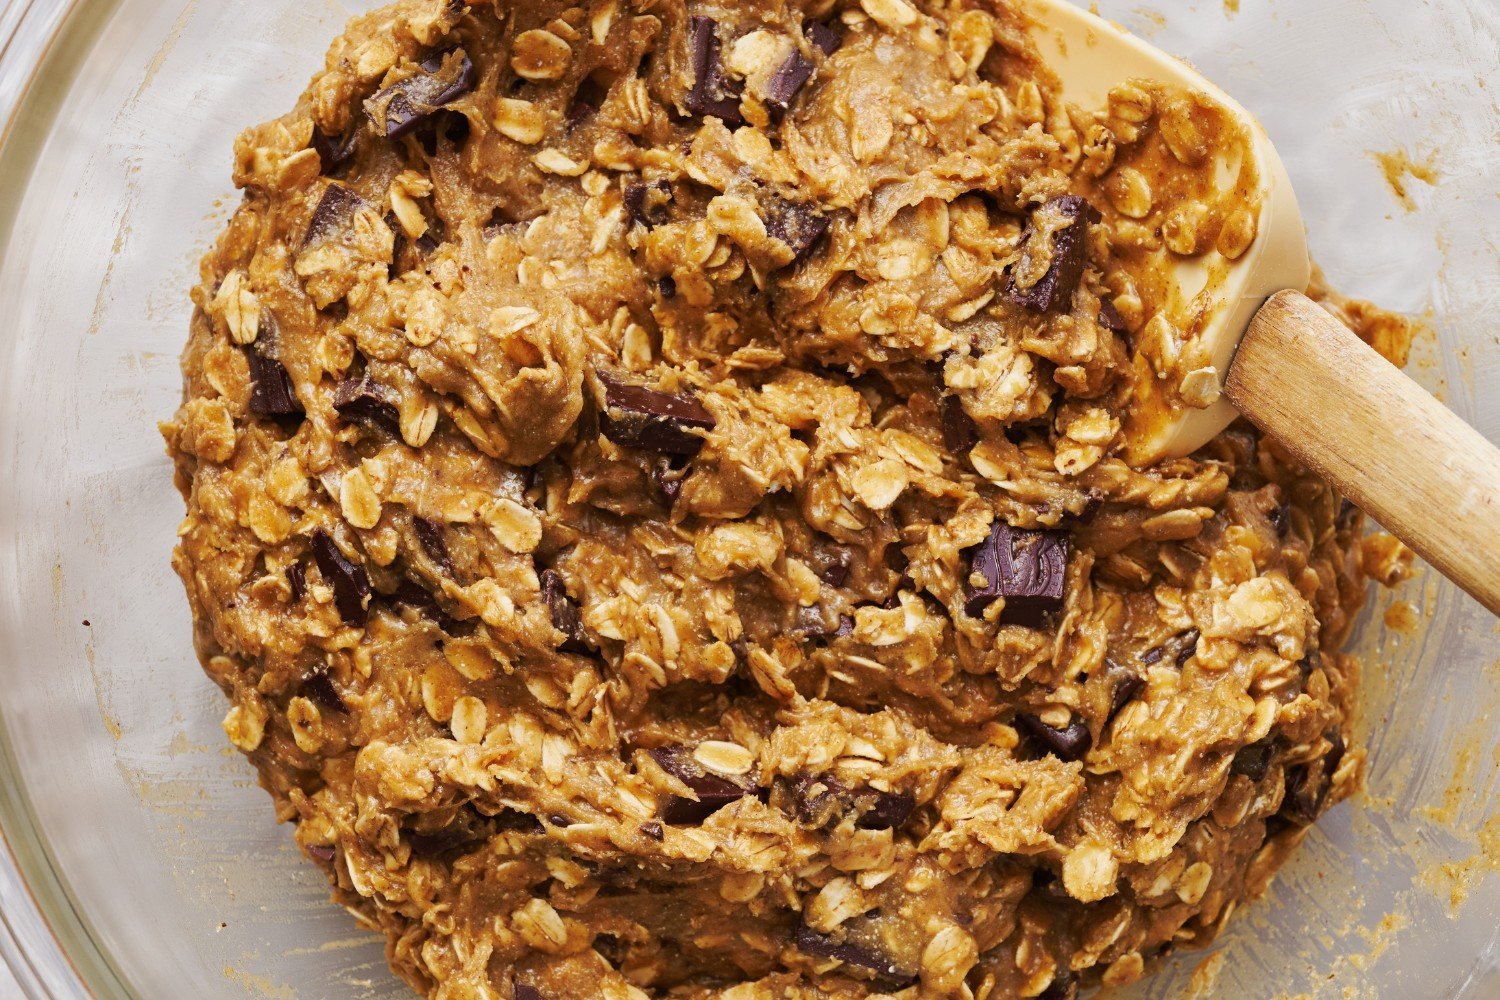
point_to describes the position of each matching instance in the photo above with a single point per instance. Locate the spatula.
(1284, 362)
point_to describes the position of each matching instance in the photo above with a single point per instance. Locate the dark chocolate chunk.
(564, 613)
(887, 811)
(351, 585)
(713, 95)
(810, 623)
(1254, 760)
(1123, 685)
(271, 392)
(524, 992)
(666, 483)
(510, 820)
(413, 595)
(1308, 785)
(822, 800)
(1064, 986)
(637, 417)
(1187, 645)
(959, 430)
(790, 77)
(1153, 655)
(335, 212)
(1281, 519)
(334, 150)
(431, 845)
(714, 792)
(648, 203)
(845, 629)
(587, 100)
(406, 104)
(323, 852)
(296, 578)
(1069, 744)
(860, 956)
(668, 287)
(1027, 568)
(826, 37)
(1069, 256)
(836, 573)
(1110, 318)
(798, 224)
(320, 689)
(365, 401)
(652, 828)
(560, 821)
(430, 536)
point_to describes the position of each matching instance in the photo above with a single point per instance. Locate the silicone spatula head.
(1212, 297)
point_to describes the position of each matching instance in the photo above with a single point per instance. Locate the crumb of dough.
(1397, 166)
(656, 508)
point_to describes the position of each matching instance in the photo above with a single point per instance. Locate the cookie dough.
(656, 507)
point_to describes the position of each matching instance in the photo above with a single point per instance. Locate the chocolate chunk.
(790, 77)
(845, 629)
(652, 828)
(335, 212)
(959, 430)
(524, 992)
(564, 613)
(1280, 518)
(320, 689)
(334, 150)
(1064, 987)
(413, 595)
(884, 969)
(1254, 760)
(1308, 785)
(648, 203)
(438, 82)
(887, 811)
(714, 792)
(560, 821)
(1187, 646)
(666, 483)
(1123, 685)
(826, 37)
(296, 578)
(637, 417)
(323, 852)
(1027, 568)
(836, 573)
(713, 94)
(1110, 318)
(798, 224)
(823, 800)
(1069, 744)
(351, 586)
(1069, 256)
(430, 536)
(1153, 655)
(366, 401)
(431, 845)
(668, 287)
(587, 100)
(510, 820)
(271, 392)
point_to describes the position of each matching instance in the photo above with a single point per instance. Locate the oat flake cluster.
(658, 505)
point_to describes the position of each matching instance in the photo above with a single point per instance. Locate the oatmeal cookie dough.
(656, 508)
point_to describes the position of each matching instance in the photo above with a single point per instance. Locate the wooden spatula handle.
(1376, 436)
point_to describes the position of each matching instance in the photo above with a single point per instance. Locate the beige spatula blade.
(1090, 56)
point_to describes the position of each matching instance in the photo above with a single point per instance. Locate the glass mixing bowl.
(144, 862)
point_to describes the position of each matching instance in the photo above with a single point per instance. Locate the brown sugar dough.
(656, 508)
